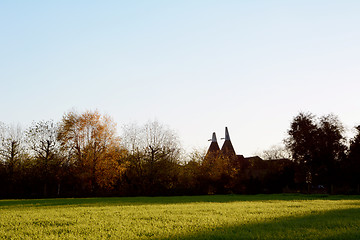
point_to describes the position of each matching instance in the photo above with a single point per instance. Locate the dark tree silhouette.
(331, 150)
(302, 143)
(353, 164)
(317, 146)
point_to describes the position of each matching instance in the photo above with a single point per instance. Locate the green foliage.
(197, 217)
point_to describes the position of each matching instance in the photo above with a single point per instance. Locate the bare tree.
(42, 141)
(11, 146)
(161, 142)
(154, 156)
(275, 152)
(153, 139)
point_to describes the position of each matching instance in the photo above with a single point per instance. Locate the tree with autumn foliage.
(217, 170)
(91, 144)
(190, 175)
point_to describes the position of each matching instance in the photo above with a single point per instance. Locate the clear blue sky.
(196, 66)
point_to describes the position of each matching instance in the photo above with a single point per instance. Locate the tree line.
(82, 155)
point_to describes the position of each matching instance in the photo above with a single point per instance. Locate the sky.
(195, 66)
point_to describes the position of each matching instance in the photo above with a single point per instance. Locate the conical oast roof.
(227, 149)
(214, 146)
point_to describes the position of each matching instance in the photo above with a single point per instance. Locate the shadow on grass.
(125, 201)
(335, 224)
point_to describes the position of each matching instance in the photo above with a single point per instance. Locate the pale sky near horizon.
(196, 66)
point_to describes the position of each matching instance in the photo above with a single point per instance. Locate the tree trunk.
(45, 189)
(58, 189)
(332, 189)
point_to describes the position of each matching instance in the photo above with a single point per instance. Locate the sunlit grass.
(198, 217)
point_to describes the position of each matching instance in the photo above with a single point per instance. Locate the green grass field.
(197, 217)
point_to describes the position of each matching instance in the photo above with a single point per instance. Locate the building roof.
(227, 148)
(214, 146)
